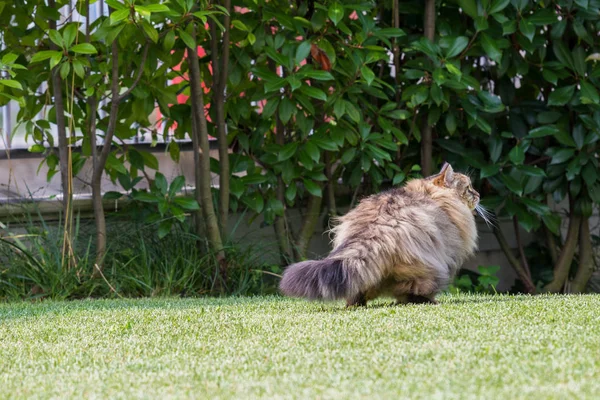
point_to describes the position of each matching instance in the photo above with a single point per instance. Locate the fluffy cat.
(407, 242)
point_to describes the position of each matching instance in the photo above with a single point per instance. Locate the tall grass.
(137, 263)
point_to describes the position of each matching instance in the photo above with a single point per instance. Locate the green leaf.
(545, 16)
(176, 185)
(56, 38)
(451, 122)
(552, 222)
(511, 184)
(563, 54)
(542, 131)
(548, 117)
(112, 162)
(65, 69)
(313, 92)
(531, 170)
(398, 178)
(490, 46)
(527, 29)
(489, 170)
(290, 192)
(112, 195)
(313, 188)
(338, 108)
(457, 46)
(271, 106)
(517, 155)
(251, 38)
(469, 7)
(83, 48)
(352, 111)
(398, 114)
(69, 34)
(367, 74)
(287, 151)
(240, 25)
(161, 183)
(453, 69)
(157, 8)
(589, 174)
(286, 109)
(313, 151)
(562, 156)
(169, 41)
(589, 94)
(561, 96)
(303, 51)
(318, 75)
(236, 186)
(348, 155)
(78, 68)
(336, 13)
(164, 228)
(186, 203)
(187, 39)
(294, 81)
(11, 83)
(254, 179)
(535, 206)
(498, 5)
(44, 55)
(150, 160)
(550, 76)
(116, 4)
(119, 15)
(36, 148)
(150, 31)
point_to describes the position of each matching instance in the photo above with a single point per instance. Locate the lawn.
(271, 347)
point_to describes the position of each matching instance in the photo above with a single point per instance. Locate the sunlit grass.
(271, 347)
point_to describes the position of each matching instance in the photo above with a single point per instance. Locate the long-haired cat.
(407, 242)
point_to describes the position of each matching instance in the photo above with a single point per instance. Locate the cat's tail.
(328, 279)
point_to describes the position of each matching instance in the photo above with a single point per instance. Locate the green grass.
(270, 347)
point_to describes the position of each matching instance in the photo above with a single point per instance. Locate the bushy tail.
(319, 279)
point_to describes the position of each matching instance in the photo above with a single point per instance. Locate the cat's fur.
(407, 242)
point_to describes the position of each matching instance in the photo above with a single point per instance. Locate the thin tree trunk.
(563, 265)
(551, 244)
(220, 68)
(514, 262)
(281, 228)
(198, 221)
(426, 133)
(308, 226)
(524, 263)
(331, 204)
(210, 218)
(586, 259)
(99, 160)
(63, 147)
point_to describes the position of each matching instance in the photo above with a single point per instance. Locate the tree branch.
(524, 263)
(586, 259)
(514, 262)
(113, 117)
(138, 74)
(563, 265)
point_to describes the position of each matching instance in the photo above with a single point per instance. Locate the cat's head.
(460, 183)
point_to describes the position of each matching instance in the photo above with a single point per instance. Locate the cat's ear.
(445, 176)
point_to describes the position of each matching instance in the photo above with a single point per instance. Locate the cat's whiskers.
(487, 216)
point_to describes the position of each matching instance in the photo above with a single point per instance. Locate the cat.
(406, 242)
